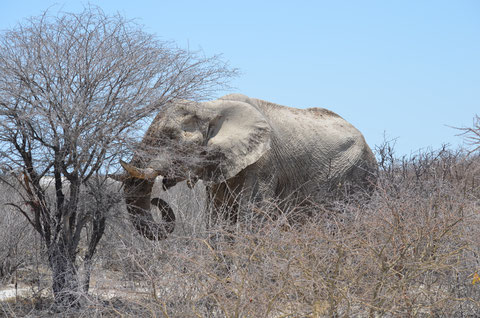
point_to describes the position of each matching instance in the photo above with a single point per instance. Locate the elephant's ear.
(238, 135)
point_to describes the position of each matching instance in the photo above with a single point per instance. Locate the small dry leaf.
(476, 278)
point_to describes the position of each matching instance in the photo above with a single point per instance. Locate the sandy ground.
(107, 285)
(9, 292)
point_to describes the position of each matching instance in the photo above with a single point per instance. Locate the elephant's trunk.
(138, 198)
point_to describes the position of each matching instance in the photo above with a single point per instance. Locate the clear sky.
(409, 69)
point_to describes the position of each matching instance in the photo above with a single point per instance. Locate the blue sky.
(409, 69)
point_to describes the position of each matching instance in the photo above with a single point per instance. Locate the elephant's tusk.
(139, 173)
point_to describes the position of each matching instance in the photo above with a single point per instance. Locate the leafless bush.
(472, 134)
(16, 249)
(410, 251)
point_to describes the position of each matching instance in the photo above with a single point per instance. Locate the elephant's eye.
(190, 124)
(171, 133)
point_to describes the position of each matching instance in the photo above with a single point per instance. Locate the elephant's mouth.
(167, 183)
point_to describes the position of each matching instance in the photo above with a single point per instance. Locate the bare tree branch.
(74, 89)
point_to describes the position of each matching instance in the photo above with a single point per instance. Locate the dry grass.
(410, 251)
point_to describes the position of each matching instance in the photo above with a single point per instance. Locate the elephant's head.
(212, 141)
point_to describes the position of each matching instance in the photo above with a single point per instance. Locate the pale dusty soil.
(9, 292)
(106, 285)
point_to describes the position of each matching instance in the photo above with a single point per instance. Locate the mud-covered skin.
(246, 149)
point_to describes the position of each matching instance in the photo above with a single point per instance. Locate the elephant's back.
(316, 141)
(319, 126)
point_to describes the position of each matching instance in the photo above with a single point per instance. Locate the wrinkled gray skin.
(238, 144)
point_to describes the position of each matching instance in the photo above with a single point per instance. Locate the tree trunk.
(64, 276)
(87, 265)
(98, 228)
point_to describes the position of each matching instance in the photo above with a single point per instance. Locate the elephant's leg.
(258, 199)
(222, 214)
(222, 205)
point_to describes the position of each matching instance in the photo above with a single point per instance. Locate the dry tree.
(75, 89)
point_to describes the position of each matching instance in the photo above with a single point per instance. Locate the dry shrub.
(410, 251)
(18, 243)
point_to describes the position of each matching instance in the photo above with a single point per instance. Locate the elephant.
(245, 150)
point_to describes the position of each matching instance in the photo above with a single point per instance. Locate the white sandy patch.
(9, 292)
